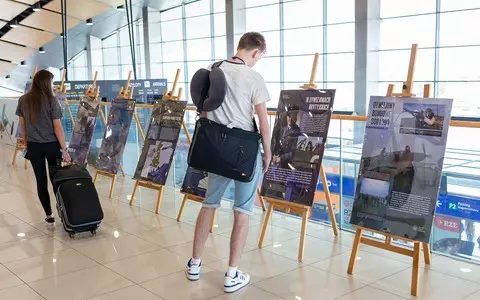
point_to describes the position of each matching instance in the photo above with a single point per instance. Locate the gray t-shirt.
(42, 131)
(245, 89)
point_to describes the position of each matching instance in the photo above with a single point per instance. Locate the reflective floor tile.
(176, 286)
(315, 249)
(170, 236)
(432, 285)
(22, 292)
(8, 279)
(111, 249)
(82, 284)
(148, 266)
(368, 267)
(49, 265)
(260, 264)
(309, 283)
(130, 293)
(29, 248)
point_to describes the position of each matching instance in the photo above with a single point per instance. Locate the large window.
(448, 48)
(77, 67)
(188, 38)
(112, 57)
(295, 31)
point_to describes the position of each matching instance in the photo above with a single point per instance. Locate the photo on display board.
(115, 136)
(401, 165)
(83, 129)
(195, 183)
(298, 140)
(161, 141)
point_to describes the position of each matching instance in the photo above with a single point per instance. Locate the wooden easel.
(387, 244)
(124, 93)
(147, 184)
(299, 209)
(20, 143)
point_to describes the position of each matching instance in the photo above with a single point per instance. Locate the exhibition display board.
(403, 157)
(160, 142)
(83, 129)
(401, 165)
(298, 141)
(115, 136)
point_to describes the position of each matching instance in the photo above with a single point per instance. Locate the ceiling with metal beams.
(42, 28)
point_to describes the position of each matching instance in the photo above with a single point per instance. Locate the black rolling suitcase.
(78, 204)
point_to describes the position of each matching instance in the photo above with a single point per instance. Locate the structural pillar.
(367, 38)
(235, 23)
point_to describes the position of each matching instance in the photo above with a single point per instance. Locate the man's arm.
(261, 110)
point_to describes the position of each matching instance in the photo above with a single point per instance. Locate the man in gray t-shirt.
(246, 94)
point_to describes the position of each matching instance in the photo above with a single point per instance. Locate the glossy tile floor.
(139, 255)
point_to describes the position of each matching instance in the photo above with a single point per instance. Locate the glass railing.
(456, 231)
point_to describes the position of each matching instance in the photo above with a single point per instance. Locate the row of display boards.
(398, 179)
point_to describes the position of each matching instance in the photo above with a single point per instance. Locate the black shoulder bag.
(218, 149)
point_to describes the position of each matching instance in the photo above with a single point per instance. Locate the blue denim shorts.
(245, 192)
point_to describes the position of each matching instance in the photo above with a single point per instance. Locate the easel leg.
(15, 154)
(265, 225)
(182, 207)
(122, 170)
(353, 256)
(25, 164)
(112, 186)
(159, 200)
(415, 269)
(331, 213)
(262, 202)
(95, 178)
(427, 254)
(301, 249)
(134, 192)
(212, 226)
(189, 139)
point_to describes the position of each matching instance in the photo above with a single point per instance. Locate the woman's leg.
(54, 158)
(37, 159)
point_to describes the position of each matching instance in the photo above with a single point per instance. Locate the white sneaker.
(234, 284)
(193, 271)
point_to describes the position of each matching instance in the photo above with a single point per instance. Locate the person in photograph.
(41, 127)
(246, 89)
(286, 151)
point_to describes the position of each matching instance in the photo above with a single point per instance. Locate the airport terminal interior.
(140, 251)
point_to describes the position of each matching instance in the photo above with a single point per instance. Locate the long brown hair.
(39, 94)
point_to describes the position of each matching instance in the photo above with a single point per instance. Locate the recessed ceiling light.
(36, 7)
(13, 24)
(21, 234)
(89, 22)
(466, 270)
(116, 234)
(41, 50)
(120, 8)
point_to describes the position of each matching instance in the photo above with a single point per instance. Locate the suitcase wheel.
(93, 231)
(71, 235)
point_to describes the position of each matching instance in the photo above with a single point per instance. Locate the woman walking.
(40, 120)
